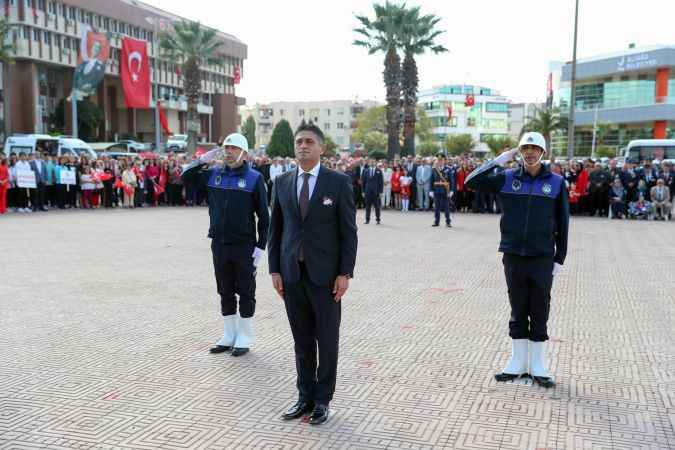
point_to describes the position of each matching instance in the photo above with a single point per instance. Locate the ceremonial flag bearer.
(534, 225)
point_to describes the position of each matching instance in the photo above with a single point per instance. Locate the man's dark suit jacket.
(328, 232)
(373, 185)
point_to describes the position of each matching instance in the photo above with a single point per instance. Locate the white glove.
(506, 157)
(451, 194)
(257, 254)
(209, 156)
(557, 268)
(431, 194)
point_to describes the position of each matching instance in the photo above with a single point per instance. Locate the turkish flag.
(470, 100)
(135, 73)
(163, 120)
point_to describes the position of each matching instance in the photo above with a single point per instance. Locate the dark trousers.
(235, 274)
(314, 316)
(441, 203)
(373, 199)
(529, 280)
(61, 195)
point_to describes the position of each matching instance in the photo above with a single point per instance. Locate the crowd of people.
(635, 190)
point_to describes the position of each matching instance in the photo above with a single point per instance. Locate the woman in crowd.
(151, 180)
(130, 184)
(582, 187)
(396, 185)
(463, 200)
(4, 184)
(88, 187)
(11, 189)
(175, 186)
(139, 171)
(617, 199)
(406, 181)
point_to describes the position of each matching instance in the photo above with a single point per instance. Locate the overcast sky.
(301, 49)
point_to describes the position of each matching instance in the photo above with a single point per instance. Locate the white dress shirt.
(275, 171)
(312, 179)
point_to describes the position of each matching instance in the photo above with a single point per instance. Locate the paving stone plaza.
(107, 317)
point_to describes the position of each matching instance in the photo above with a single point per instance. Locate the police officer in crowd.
(534, 226)
(443, 186)
(236, 194)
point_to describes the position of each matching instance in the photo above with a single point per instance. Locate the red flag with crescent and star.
(135, 73)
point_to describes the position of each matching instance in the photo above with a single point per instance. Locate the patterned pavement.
(107, 316)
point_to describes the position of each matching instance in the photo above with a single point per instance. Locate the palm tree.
(546, 121)
(7, 51)
(193, 46)
(417, 36)
(382, 35)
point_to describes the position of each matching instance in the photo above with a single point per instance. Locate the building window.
(36, 35)
(496, 107)
(48, 37)
(340, 112)
(41, 5)
(26, 33)
(340, 125)
(106, 24)
(301, 112)
(326, 126)
(114, 26)
(52, 7)
(471, 122)
(328, 112)
(81, 15)
(98, 21)
(281, 112)
(72, 12)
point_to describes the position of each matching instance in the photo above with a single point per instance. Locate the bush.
(281, 142)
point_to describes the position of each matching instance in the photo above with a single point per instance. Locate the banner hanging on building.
(135, 73)
(163, 120)
(91, 61)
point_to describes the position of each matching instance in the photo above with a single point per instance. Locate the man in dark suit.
(312, 253)
(357, 182)
(37, 195)
(373, 186)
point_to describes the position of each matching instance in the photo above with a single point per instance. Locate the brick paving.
(107, 316)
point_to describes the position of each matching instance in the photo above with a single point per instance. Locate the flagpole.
(158, 136)
(73, 103)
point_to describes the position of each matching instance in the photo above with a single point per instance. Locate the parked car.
(177, 143)
(126, 147)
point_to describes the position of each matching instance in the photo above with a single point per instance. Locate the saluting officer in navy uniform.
(442, 184)
(237, 195)
(534, 227)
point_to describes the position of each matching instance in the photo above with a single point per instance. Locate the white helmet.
(236, 140)
(533, 138)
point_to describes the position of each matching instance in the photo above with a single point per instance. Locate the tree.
(89, 118)
(605, 151)
(331, 148)
(375, 141)
(248, 130)
(372, 125)
(194, 46)
(546, 121)
(377, 154)
(417, 35)
(458, 144)
(282, 141)
(7, 50)
(498, 143)
(382, 35)
(428, 148)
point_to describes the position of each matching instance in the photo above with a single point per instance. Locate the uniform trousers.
(529, 280)
(441, 203)
(235, 275)
(372, 199)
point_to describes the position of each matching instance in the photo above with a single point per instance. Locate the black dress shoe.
(377, 223)
(448, 225)
(239, 351)
(544, 382)
(366, 222)
(506, 376)
(220, 349)
(319, 415)
(298, 410)
(434, 225)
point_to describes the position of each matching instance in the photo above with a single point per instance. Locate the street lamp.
(573, 94)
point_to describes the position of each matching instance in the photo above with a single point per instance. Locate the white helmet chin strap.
(238, 159)
(525, 161)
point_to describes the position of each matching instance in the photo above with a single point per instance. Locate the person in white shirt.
(276, 169)
(386, 174)
(22, 165)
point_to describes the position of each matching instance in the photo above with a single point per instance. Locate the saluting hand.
(340, 287)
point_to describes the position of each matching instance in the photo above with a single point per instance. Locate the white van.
(55, 146)
(649, 149)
